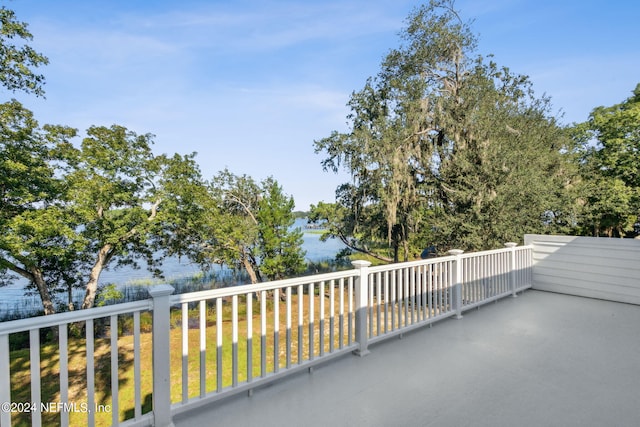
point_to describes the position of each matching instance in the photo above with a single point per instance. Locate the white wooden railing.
(231, 340)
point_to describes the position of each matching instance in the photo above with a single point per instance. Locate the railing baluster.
(463, 287)
(249, 336)
(506, 271)
(451, 281)
(405, 294)
(422, 280)
(444, 287)
(488, 273)
(5, 378)
(386, 302)
(402, 298)
(321, 324)
(425, 292)
(491, 274)
(394, 297)
(185, 352)
(137, 409)
(480, 279)
(289, 338)
(300, 322)
(378, 301)
(472, 279)
(412, 284)
(341, 313)
(332, 291)
(350, 313)
(276, 330)
(477, 291)
(91, 401)
(417, 274)
(371, 300)
(501, 272)
(436, 288)
(63, 352)
(34, 358)
(496, 272)
(441, 279)
(311, 319)
(483, 275)
(430, 271)
(203, 347)
(234, 340)
(115, 400)
(219, 344)
(263, 334)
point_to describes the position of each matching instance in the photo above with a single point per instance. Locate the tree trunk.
(38, 280)
(250, 270)
(35, 276)
(104, 256)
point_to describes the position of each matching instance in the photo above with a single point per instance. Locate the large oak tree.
(445, 149)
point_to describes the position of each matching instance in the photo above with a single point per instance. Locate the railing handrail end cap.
(160, 290)
(359, 263)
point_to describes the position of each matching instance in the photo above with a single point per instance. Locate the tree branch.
(363, 250)
(5, 263)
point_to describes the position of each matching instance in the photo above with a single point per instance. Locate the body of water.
(16, 297)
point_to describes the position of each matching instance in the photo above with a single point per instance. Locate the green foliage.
(68, 213)
(505, 171)
(108, 294)
(37, 238)
(18, 60)
(280, 247)
(445, 149)
(251, 230)
(609, 154)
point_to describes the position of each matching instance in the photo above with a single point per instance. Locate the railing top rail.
(493, 251)
(20, 325)
(400, 265)
(259, 287)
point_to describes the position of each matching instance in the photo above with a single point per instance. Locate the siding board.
(594, 267)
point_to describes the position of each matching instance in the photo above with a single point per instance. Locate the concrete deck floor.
(541, 359)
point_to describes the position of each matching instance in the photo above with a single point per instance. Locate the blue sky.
(250, 84)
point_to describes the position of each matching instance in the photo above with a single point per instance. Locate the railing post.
(161, 363)
(512, 266)
(457, 282)
(362, 303)
(5, 379)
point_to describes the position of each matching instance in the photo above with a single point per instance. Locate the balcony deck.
(541, 359)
